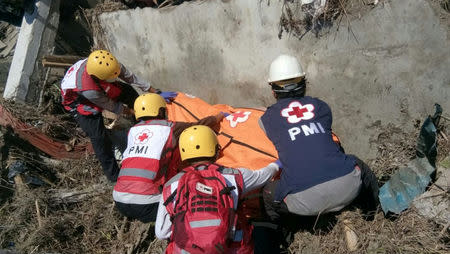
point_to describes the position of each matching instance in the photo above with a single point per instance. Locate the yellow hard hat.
(148, 105)
(103, 65)
(197, 141)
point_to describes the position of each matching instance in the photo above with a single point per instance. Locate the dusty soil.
(74, 211)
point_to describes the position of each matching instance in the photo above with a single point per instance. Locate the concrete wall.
(393, 72)
(37, 34)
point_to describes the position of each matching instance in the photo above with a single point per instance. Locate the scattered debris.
(406, 184)
(9, 38)
(92, 16)
(350, 236)
(152, 3)
(300, 17)
(45, 132)
(17, 168)
(409, 182)
(2, 45)
(435, 203)
(64, 61)
(395, 149)
(445, 4)
(74, 212)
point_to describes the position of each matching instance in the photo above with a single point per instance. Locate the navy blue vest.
(300, 129)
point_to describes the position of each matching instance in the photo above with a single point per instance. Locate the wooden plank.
(2, 45)
(68, 59)
(55, 64)
(10, 44)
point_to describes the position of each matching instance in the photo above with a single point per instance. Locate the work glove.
(169, 96)
(278, 162)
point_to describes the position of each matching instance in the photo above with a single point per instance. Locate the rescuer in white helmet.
(317, 176)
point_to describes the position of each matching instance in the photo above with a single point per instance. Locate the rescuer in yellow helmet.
(151, 157)
(204, 197)
(91, 85)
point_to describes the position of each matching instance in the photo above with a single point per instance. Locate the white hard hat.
(285, 67)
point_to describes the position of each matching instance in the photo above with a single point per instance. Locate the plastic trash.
(20, 167)
(427, 141)
(407, 183)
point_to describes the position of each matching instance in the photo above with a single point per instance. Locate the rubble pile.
(300, 17)
(73, 211)
(50, 119)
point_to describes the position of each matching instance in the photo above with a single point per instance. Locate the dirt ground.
(74, 212)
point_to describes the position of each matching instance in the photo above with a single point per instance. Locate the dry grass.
(89, 223)
(395, 147)
(50, 119)
(409, 233)
(297, 20)
(92, 16)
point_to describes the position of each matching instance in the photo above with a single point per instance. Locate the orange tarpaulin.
(243, 142)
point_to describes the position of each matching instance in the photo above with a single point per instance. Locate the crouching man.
(151, 157)
(317, 177)
(197, 211)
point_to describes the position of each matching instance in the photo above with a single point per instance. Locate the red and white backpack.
(203, 209)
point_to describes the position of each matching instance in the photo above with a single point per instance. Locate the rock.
(443, 165)
(350, 236)
(435, 204)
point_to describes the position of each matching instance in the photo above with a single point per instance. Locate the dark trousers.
(144, 213)
(266, 238)
(367, 199)
(288, 223)
(95, 129)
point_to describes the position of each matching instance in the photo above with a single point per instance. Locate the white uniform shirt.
(98, 97)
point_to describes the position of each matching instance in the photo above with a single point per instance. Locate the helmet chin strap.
(287, 88)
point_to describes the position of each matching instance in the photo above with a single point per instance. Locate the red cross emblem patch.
(238, 117)
(142, 137)
(296, 112)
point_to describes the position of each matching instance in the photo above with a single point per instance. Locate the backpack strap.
(171, 197)
(237, 176)
(227, 190)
